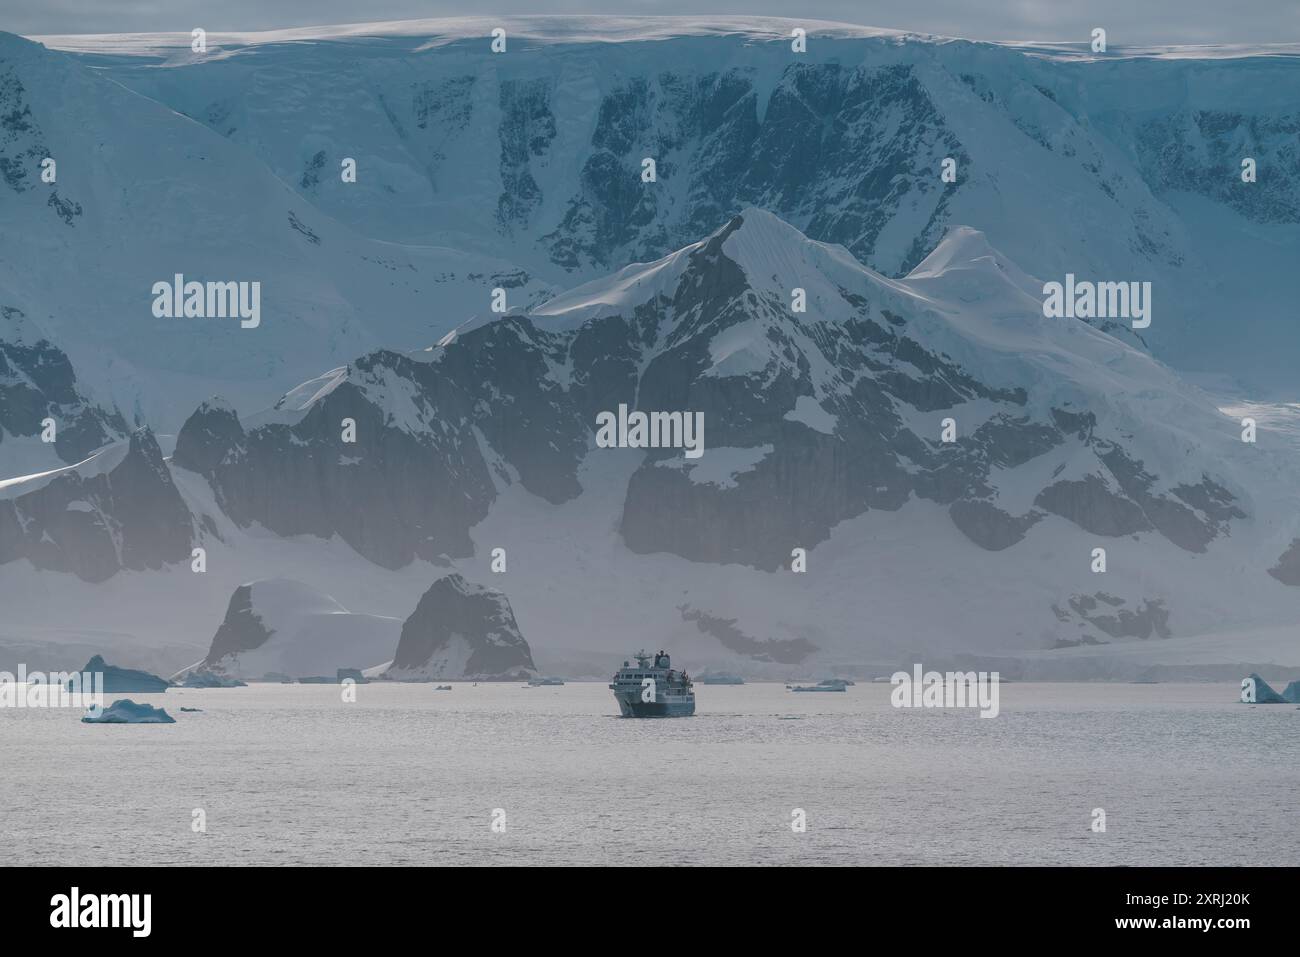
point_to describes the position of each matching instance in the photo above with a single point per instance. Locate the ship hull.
(634, 707)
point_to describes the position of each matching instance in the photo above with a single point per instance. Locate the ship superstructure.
(651, 688)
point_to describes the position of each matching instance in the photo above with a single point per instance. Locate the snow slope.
(283, 626)
(144, 194)
(1122, 166)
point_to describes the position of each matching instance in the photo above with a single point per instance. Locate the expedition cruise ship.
(653, 690)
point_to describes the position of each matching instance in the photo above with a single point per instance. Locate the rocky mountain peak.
(461, 630)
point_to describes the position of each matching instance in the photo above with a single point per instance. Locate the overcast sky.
(1125, 21)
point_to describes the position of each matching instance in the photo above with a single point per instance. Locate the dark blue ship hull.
(655, 709)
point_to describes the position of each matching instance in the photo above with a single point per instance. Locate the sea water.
(293, 774)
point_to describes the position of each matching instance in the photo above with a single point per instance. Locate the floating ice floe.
(126, 711)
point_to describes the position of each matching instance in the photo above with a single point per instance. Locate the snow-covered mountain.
(823, 431)
(944, 458)
(1115, 166)
(811, 418)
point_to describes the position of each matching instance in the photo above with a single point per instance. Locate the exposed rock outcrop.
(119, 510)
(461, 630)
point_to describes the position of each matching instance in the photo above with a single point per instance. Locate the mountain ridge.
(528, 165)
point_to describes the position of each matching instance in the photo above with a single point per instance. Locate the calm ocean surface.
(290, 774)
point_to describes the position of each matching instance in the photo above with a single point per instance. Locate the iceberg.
(207, 679)
(126, 711)
(125, 679)
(1291, 692)
(1255, 690)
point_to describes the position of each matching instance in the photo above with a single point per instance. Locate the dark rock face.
(786, 651)
(240, 630)
(1191, 517)
(211, 435)
(988, 526)
(129, 517)
(1174, 517)
(839, 148)
(1108, 615)
(1201, 151)
(124, 679)
(91, 524)
(527, 128)
(818, 423)
(444, 107)
(311, 172)
(461, 630)
(1287, 569)
(394, 495)
(37, 382)
(22, 151)
(1093, 507)
(23, 145)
